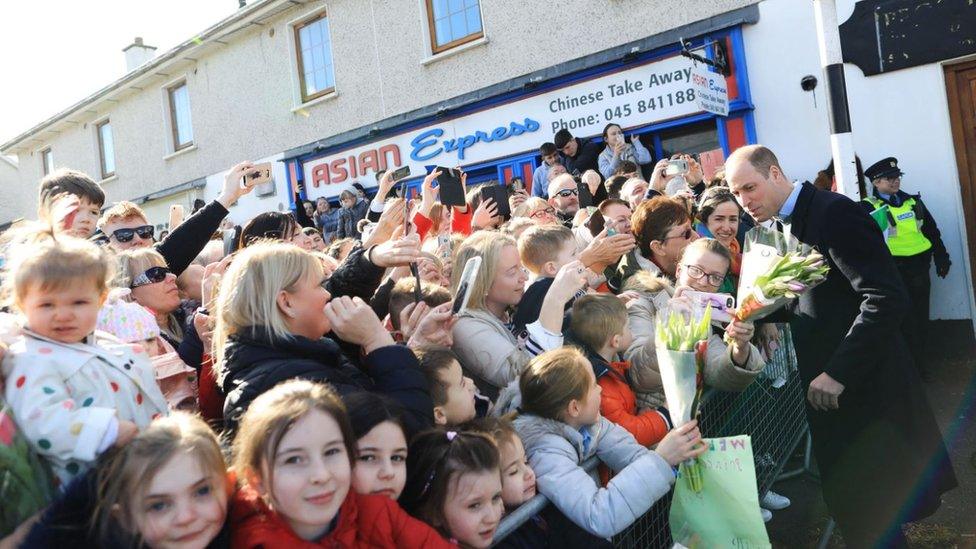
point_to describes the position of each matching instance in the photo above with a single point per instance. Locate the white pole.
(831, 59)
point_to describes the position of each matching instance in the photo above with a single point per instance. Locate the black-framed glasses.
(151, 276)
(124, 235)
(567, 193)
(696, 272)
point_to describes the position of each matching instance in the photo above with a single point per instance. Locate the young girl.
(294, 452)
(550, 528)
(166, 488)
(74, 394)
(454, 484)
(561, 427)
(381, 444)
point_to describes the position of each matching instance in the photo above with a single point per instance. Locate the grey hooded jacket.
(556, 452)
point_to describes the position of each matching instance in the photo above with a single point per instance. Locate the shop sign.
(641, 95)
(710, 89)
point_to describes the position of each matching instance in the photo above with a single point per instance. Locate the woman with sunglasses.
(663, 229)
(718, 217)
(728, 367)
(153, 286)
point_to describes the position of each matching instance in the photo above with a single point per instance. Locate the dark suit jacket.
(877, 446)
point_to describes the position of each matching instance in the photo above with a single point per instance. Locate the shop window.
(47, 161)
(313, 45)
(452, 23)
(691, 139)
(179, 116)
(106, 148)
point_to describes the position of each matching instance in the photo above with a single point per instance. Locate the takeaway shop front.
(495, 139)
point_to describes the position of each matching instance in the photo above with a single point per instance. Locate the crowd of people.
(323, 377)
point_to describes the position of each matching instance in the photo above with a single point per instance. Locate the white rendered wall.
(902, 114)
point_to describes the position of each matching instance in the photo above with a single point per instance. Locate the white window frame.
(297, 93)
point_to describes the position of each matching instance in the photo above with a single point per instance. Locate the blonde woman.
(537, 210)
(273, 311)
(151, 283)
(483, 336)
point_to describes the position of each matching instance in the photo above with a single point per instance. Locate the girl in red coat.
(294, 451)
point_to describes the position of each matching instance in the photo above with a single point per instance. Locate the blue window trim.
(740, 107)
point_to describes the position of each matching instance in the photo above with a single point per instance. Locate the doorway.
(960, 81)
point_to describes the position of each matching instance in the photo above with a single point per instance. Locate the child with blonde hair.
(74, 392)
(561, 427)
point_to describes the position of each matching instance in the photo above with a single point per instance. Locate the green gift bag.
(725, 513)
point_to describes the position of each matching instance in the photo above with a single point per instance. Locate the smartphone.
(451, 191)
(676, 167)
(500, 195)
(585, 196)
(470, 272)
(259, 174)
(444, 243)
(722, 305)
(401, 172)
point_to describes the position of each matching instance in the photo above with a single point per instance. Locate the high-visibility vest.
(905, 236)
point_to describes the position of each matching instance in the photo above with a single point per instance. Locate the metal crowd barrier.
(770, 410)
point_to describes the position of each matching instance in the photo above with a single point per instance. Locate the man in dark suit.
(879, 450)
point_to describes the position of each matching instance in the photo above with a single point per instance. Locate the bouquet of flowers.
(681, 345)
(776, 268)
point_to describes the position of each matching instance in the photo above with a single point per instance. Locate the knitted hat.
(127, 320)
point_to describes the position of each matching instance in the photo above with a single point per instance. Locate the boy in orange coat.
(599, 324)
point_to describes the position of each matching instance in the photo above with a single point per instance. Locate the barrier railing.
(770, 410)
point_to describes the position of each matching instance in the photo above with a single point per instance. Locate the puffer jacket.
(645, 374)
(363, 521)
(619, 404)
(255, 361)
(556, 450)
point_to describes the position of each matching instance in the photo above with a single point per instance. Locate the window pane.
(47, 160)
(316, 47)
(458, 26)
(474, 20)
(455, 20)
(108, 148)
(181, 115)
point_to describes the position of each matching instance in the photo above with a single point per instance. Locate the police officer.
(913, 239)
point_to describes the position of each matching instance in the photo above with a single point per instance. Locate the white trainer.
(775, 501)
(767, 515)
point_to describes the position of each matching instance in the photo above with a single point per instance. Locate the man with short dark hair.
(879, 450)
(579, 154)
(540, 177)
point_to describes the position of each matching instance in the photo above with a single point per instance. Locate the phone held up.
(722, 305)
(470, 272)
(258, 175)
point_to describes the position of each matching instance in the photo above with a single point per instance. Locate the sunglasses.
(567, 192)
(685, 235)
(124, 235)
(151, 276)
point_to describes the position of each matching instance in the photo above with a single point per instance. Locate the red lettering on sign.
(340, 170)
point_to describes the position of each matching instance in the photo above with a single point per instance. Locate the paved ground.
(952, 393)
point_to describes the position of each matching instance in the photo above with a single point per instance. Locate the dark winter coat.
(883, 441)
(255, 361)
